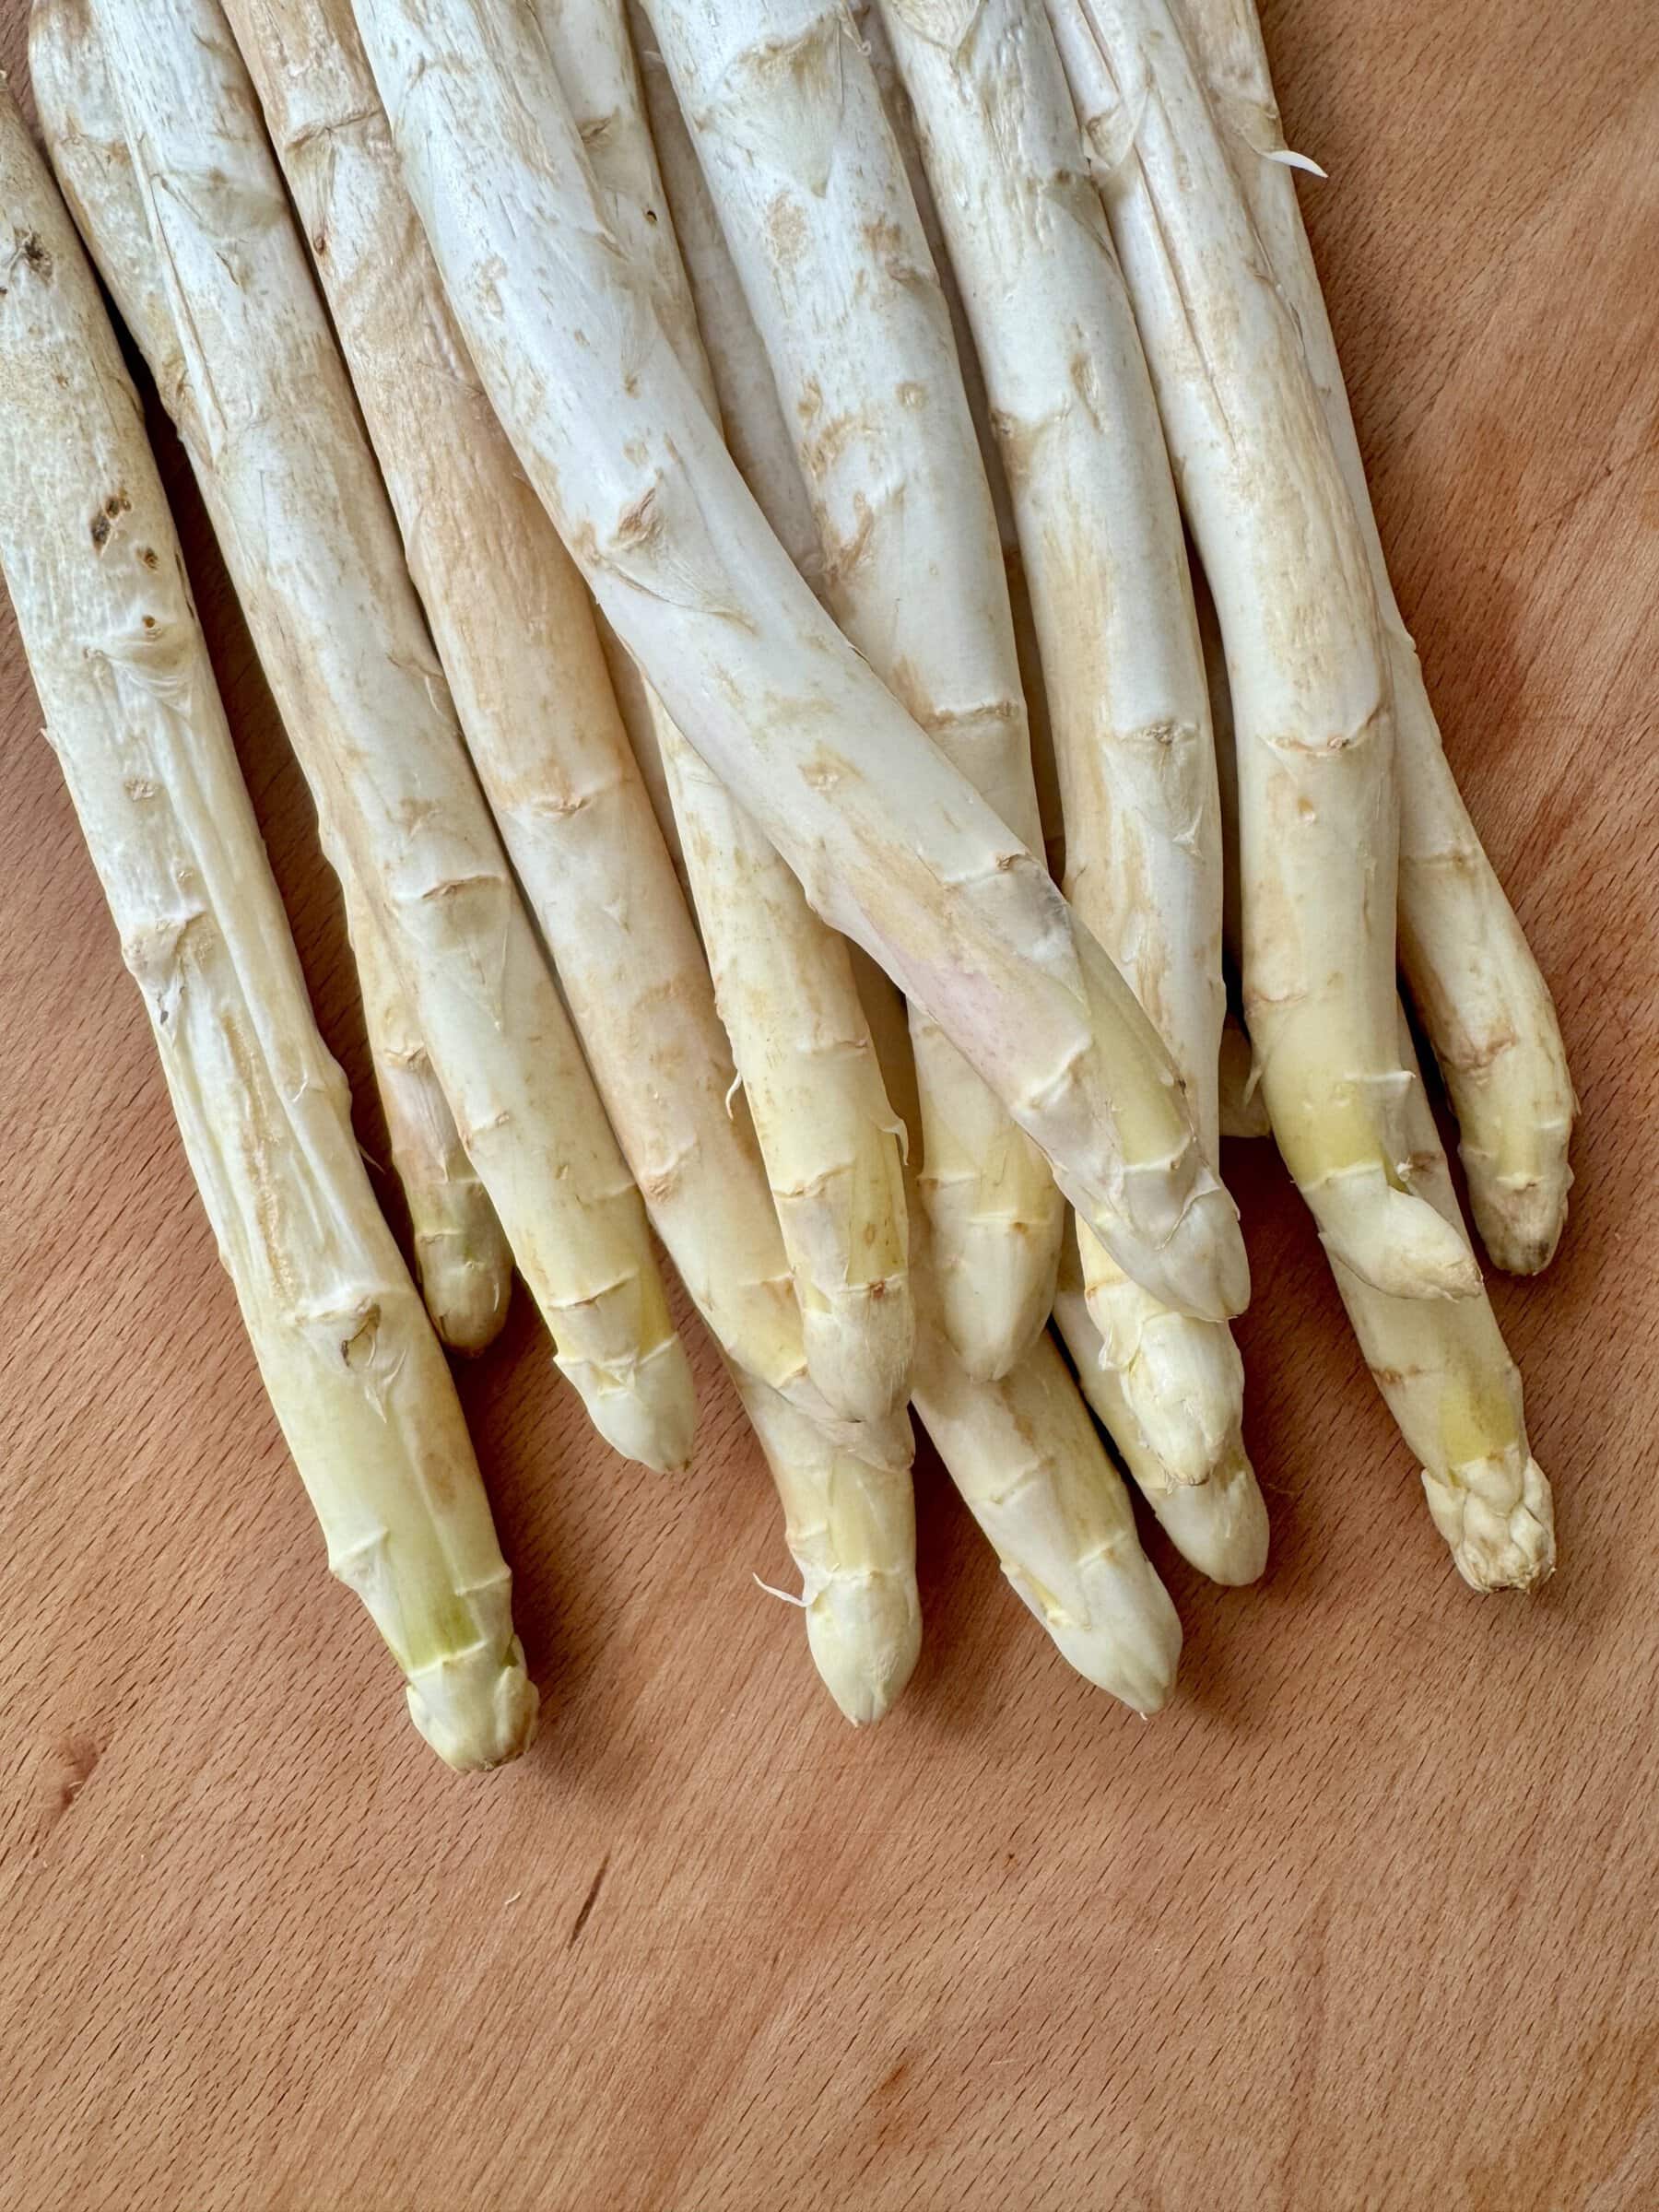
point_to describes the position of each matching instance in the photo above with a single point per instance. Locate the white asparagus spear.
(1282, 550)
(781, 978)
(266, 411)
(1470, 970)
(461, 1257)
(461, 1261)
(850, 1523)
(1448, 1381)
(757, 435)
(516, 636)
(896, 105)
(813, 200)
(1442, 1366)
(1219, 1526)
(352, 1367)
(1077, 429)
(894, 846)
(1030, 1468)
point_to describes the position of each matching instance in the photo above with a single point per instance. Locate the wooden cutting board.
(1365, 1919)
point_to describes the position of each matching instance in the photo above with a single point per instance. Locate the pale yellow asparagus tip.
(1499, 1518)
(478, 1710)
(1125, 1636)
(1219, 1525)
(1520, 1214)
(992, 1311)
(850, 1523)
(1220, 1529)
(1392, 1239)
(859, 1340)
(646, 1411)
(462, 1260)
(465, 1267)
(1188, 1381)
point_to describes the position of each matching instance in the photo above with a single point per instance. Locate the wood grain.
(1367, 1918)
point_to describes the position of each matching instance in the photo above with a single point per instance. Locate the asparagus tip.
(859, 1341)
(1220, 1526)
(1499, 1518)
(1128, 1642)
(478, 1710)
(652, 1416)
(865, 1632)
(1521, 1223)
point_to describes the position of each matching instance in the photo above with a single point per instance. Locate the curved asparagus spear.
(1477, 985)
(461, 1261)
(532, 694)
(1032, 1471)
(1076, 426)
(894, 847)
(267, 415)
(813, 199)
(1284, 556)
(1443, 1368)
(781, 978)
(353, 1370)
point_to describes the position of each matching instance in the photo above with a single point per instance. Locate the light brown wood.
(1366, 1918)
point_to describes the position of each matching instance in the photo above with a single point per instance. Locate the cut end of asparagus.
(650, 1417)
(1499, 1518)
(995, 1283)
(865, 1632)
(1393, 1240)
(1126, 1638)
(476, 1710)
(1201, 1268)
(859, 1343)
(1520, 1219)
(1219, 1527)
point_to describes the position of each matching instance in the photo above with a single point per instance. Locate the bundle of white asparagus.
(711, 444)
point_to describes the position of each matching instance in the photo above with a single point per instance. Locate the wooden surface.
(1367, 1918)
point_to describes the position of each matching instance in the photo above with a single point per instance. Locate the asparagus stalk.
(901, 121)
(812, 196)
(1076, 426)
(532, 693)
(268, 417)
(462, 1261)
(1443, 1368)
(850, 1523)
(781, 978)
(1470, 970)
(893, 845)
(1276, 532)
(1219, 1526)
(1030, 1468)
(461, 1257)
(757, 435)
(352, 1367)
(1456, 1393)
